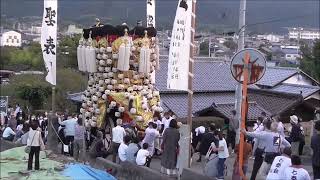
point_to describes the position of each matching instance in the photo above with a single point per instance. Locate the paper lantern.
(107, 92)
(102, 50)
(113, 81)
(98, 94)
(110, 87)
(104, 96)
(133, 110)
(114, 70)
(117, 114)
(99, 56)
(110, 74)
(102, 63)
(84, 105)
(100, 69)
(130, 89)
(126, 80)
(109, 61)
(115, 56)
(109, 49)
(105, 56)
(120, 76)
(121, 109)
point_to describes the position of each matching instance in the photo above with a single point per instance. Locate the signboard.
(4, 104)
(179, 52)
(256, 65)
(49, 38)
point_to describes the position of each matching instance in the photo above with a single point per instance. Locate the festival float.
(121, 63)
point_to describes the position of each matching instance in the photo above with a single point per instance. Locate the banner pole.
(190, 76)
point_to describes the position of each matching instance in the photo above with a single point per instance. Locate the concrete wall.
(129, 171)
(5, 145)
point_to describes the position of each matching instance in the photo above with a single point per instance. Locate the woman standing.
(170, 147)
(36, 143)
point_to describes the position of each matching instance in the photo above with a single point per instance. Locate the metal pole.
(190, 74)
(53, 101)
(238, 93)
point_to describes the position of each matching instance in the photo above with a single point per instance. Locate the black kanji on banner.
(50, 15)
(49, 46)
(149, 2)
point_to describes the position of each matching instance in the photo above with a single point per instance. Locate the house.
(10, 38)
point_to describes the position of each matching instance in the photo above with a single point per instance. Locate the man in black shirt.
(206, 141)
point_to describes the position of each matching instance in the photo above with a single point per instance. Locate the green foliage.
(231, 45)
(67, 52)
(27, 90)
(310, 62)
(27, 58)
(204, 48)
(68, 81)
(34, 91)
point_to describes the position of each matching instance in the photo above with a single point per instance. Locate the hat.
(294, 119)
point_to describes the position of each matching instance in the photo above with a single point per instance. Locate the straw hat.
(294, 119)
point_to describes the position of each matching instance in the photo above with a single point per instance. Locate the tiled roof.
(76, 97)
(270, 101)
(178, 102)
(306, 90)
(209, 76)
(254, 110)
(275, 75)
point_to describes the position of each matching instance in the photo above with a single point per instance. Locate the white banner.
(179, 53)
(151, 13)
(49, 38)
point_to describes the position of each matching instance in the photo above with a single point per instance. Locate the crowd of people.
(274, 149)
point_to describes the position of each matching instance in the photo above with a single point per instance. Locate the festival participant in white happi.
(296, 171)
(151, 134)
(279, 164)
(143, 156)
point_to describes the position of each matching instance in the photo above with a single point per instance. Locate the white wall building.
(304, 33)
(10, 38)
(271, 37)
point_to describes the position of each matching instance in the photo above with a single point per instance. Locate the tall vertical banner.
(179, 52)
(49, 38)
(151, 13)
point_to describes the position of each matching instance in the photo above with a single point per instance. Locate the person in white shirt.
(279, 164)
(296, 171)
(151, 134)
(258, 127)
(166, 121)
(118, 134)
(143, 156)
(70, 125)
(123, 148)
(8, 133)
(223, 153)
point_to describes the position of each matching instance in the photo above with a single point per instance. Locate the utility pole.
(238, 93)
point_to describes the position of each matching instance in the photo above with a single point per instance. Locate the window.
(10, 37)
(15, 37)
(18, 41)
(7, 40)
(12, 40)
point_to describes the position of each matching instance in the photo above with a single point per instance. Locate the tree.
(231, 45)
(204, 48)
(310, 62)
(67, 52)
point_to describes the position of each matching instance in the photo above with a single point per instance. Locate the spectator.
(166, 121)
(247, 150)
(69, 130)
(279, 164)
(295, 134)
(206, 141)
(123, 147)
(258, 151)
(315, 145)
(24, 137)
(197, 136)
(280, 127)
(302, 138)
(118, 134)
(151, 134)
(232, 128)
(35, 142)
(143, 156)
(131, 151)
(296, 171)
(157, 120)
(97, 148)
(170, 147)
(8, 133)
(79, 140)
(272, 142)
(223, 154)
